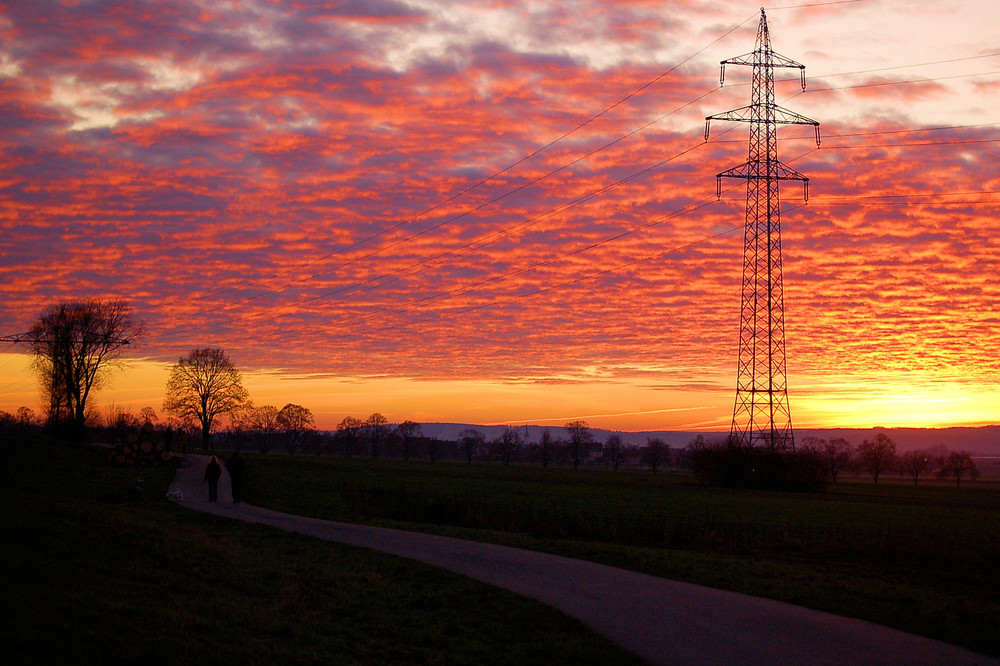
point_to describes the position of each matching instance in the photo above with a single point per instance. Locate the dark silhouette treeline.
(141, 438)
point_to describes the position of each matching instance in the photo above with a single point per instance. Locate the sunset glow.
(459, 211)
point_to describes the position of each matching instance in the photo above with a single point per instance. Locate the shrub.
(749, 467)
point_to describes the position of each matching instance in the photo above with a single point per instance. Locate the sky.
(505, 212)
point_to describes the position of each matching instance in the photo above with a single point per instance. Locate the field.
(93, 573)
(922, 559)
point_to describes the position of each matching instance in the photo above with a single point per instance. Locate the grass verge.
(918, 559)
(96, 576)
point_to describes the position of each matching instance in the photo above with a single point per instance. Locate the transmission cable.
(495, 175)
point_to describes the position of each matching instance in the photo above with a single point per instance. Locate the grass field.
(923, 559)
(93, 575)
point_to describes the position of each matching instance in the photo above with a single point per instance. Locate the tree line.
(817, 462)
(878, 456)
(77, 344)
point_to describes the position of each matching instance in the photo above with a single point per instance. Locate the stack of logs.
(141, 447)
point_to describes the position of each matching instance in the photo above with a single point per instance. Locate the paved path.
(663, 621)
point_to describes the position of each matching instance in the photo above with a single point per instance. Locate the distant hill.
(980, 441)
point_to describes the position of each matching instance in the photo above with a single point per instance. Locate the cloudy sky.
(505, 211)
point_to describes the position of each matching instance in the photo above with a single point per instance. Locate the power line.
(497, 199)
(541, 290)
(513, 228)
(465, 289)
(503, 277)
(490, 238)
(509, 193)
(898, 83)
(483, 241)
(497, 174)
(592, 275)
(816, 4)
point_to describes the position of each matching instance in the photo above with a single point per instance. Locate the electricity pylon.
(761, 416)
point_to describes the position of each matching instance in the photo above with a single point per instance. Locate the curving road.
(663, 621)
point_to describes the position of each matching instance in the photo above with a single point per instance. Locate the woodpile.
(140, 447)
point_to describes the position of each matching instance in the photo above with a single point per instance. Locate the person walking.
(212, 473)
(235, 465)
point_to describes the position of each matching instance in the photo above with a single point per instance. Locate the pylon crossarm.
(785, 117)
(758, 113)
(758, 57)
(740, 115)
(762, 170)
(785, 172)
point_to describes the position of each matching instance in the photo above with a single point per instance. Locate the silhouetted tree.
(545, 447)
(836, 455)
(75, 345)
(434, 448)
(656, 453)
(376, 433)
(259, 423)
(317, 442)
(295, 421)
(877, 455)
(409, 433)
(348, 434)
(614, 451)
(470, 441)
(914, 464)
(25, 417)
(120, 419)
(958, 464)
(509, 442)
(202, 386)
(579, 437)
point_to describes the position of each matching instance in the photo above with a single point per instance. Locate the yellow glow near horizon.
(893, 405)
(629, 404)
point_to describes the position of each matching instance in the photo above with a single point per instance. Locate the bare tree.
(25, 417)
(348, 433)
(295, 420)
(834, 454)
(120, 419)
(837, 455)
(376, 433)
(545, 447)
(579, 437)
(958, 464)
(409, 433)
(75, 346)
(877, 455)
(656, 453)
(470, 441)
(317, 442)
(202, 386)
(148, 415)
(434, 448)
(260, 423)
(510, 441)
(914, 464)
(614, 451)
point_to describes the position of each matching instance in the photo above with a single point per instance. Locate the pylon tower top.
(761, 416)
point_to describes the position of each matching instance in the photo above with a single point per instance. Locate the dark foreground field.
(922, 559)
(90, 574)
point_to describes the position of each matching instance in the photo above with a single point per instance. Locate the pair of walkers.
(213, 472)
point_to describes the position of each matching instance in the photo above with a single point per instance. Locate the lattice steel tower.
(761, 415)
